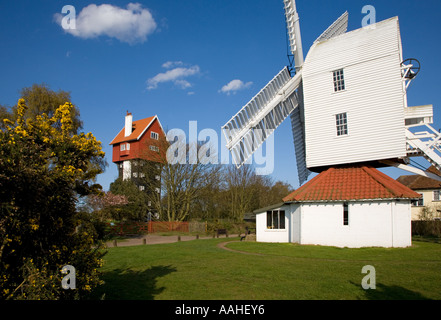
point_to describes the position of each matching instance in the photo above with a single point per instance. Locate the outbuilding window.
(345, 214)
(275, 219)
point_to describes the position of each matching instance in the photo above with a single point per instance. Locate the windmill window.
(339, 80)
(341, 120)
(275, 219)
(154, 148)
(345, 214)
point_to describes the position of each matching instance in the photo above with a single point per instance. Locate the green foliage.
(137, 206)
(44, 169)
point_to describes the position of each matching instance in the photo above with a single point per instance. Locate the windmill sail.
(294, 35)
(258, 119)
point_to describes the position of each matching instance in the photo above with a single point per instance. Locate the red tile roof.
(417, 182)
(138, 126)
(351, 183)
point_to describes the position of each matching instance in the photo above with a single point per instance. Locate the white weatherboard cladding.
(373, 97)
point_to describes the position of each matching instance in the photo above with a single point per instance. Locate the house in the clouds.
(138, 152)
(354, 206)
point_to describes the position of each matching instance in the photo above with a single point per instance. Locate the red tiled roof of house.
(351, 183)
(138, 126)
(418, 182)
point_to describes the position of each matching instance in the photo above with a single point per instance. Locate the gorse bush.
(44, 169)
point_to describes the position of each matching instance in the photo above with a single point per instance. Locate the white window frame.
(124, 146)
(338, 77)
(436, 195)
(341, 123)
(277, 220)
(419, 202)
(154, 135)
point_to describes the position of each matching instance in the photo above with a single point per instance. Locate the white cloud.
(130, 25)
(169, 64)
(175, 75)
(235, 85)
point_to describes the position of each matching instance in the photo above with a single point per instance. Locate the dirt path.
(222, 245)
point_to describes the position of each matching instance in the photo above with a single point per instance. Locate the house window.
(436, 195)
(341, 121)
(124, 146)
(419, 202)
(154, 148)
(141, 188)
(135, 174)
(339, 80)
(345, 214)
(275, 219)
(154, 135)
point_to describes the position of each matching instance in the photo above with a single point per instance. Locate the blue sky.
(175, 58)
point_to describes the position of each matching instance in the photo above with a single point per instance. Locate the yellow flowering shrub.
(44, 170)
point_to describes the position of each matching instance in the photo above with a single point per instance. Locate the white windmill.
(347, 102)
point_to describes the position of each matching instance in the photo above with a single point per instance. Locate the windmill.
(347, 102)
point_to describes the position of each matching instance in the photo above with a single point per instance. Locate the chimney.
(128, 126)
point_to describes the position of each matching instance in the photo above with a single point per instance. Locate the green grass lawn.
(199, 270)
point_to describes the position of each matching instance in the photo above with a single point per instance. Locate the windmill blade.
(339, 27)
(258, 119)
(294, 35)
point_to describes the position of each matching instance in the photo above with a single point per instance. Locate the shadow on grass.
(127, 284)
(427, 239)
(384, 292)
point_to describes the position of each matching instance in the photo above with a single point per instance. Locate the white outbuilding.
(355, 206)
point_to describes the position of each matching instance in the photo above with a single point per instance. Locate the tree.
(40, 99)
(44, 169)
(136, 205)
(182, 180)
(240, 186)
(106, 206)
